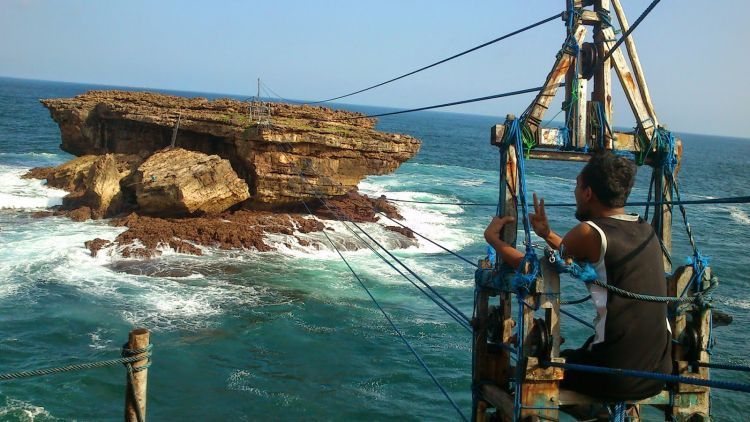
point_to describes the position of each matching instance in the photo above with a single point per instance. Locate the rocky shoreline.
(226, 183)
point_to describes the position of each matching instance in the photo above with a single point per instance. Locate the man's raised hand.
(538, 219)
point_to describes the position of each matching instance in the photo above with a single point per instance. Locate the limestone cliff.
(302, 153)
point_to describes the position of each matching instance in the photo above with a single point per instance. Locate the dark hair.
(610, 177)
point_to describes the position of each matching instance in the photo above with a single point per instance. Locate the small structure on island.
(260, 112)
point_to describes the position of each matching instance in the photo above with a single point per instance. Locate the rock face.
(98, 185)
(180, 182)
(302, 153)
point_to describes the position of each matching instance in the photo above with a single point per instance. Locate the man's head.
(603, 184)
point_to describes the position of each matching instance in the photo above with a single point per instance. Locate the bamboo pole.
(135, 392)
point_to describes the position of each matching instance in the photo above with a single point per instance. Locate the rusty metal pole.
(135, 392)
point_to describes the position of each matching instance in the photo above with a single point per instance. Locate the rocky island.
(184, 172)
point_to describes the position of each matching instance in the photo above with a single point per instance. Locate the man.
(625, 252)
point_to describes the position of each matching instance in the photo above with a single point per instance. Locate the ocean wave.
(18, 193)
(24, 411)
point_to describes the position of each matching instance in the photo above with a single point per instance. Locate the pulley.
(690, 341)
(540, 340)
(494, 325)
(589, 56)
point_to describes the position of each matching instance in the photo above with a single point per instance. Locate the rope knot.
(131, 356)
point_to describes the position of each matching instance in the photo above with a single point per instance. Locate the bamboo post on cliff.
(135, 393)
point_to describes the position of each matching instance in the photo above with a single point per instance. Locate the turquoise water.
(290, 334)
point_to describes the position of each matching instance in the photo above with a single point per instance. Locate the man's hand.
(492, 232)
(538, 219)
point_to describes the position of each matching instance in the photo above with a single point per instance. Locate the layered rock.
(180, 182)
(98, 185)
(303, 152)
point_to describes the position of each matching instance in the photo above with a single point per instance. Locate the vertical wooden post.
(577, 128)
(633, 53)
(135, 392)
(603, 75)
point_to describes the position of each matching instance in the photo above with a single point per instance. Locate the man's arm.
(582, 242)
(508, 253)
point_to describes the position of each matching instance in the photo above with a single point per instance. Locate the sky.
(694, 56)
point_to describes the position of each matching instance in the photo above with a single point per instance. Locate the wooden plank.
(590, 17)
(496, 366)
(541, 103)
(540, 390)
(551, 300)
(553, 155)
(623, 141)
(633, 53)
(581, 129)
(574, 398)
(627, 80)
(603, 75)
(500, 400)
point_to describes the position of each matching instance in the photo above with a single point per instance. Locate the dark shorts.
(604, 387)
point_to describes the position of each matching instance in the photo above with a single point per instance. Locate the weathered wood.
(590, 17)
(603, 75)
(496, 366)
(581, 129)
(539, 154)
(135, 392)
(540, 390)
(676, 283)
(500, 400)
(623, 141)
(573, 398)
(627, 80)
(551, 300)
(541, 103)
(633, 53)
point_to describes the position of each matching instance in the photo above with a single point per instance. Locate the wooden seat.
(573, 398)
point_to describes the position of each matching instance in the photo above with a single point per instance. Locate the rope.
(464, 323)
(724, 385)
(433, 242)
(572, 315)
(727, 366)
(472, 100)
(78, 366)
(727, 200)
(631, 29)
(576, 301)
(393, 325)
(508, 35)
(586, 273)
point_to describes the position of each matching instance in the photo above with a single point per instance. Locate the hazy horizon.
(445, 110)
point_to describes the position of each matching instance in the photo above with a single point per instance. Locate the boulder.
(178, 182)
(94, 182)
(69, 176)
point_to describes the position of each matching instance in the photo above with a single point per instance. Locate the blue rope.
(724, 385)
(393, 325)
(619, 412)
(582, 321)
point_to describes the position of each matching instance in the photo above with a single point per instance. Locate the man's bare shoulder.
(583, 242)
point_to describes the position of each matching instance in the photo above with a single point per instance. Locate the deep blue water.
(289, 334)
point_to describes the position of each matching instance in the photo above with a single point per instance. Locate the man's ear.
(588, 193)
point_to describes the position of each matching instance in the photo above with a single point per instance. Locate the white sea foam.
(17, 193)
(23, 411)
(739, 215)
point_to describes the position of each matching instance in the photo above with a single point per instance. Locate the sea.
(290, 334)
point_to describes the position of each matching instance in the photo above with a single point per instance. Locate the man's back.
(630, 334)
